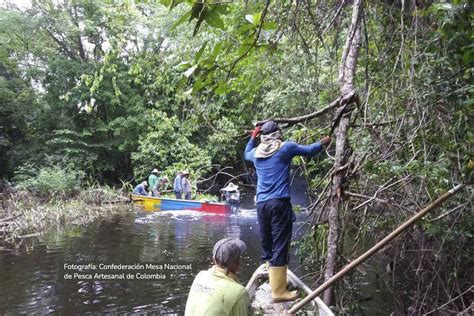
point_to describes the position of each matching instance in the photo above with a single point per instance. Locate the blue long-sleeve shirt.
(140, 190)
(274, 172)
(177, 184)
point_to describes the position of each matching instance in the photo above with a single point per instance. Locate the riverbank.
(25, 215)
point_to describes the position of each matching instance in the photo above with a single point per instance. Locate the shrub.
(47, 179)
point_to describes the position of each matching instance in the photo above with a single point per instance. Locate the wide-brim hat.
(185, 172)
(155, 171)
(230, 187)
(228, 250)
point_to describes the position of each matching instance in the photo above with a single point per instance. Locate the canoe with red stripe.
(153, 204)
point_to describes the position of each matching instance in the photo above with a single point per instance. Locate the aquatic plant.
(26, 215)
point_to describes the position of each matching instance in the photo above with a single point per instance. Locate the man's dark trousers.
(275, 219)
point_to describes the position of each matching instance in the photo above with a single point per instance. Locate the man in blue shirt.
(272, 159)
(141, 189)
(177, 188)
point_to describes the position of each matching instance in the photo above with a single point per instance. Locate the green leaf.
(213, 19)
(254, 18)
(216, 51)
(267, 26)
(196, 11)
(199, 53)
(222, 88)
(181, 20)
(166, 3)
(183, 65)
(244, 28)
(169, 3)
(246, 45)
(198, 85)
(222, 9)
(174, 3)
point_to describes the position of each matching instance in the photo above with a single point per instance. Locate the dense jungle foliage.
(109, 90)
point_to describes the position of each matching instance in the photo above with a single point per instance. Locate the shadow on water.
(32, 278)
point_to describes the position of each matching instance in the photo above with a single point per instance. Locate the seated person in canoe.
(217, 291)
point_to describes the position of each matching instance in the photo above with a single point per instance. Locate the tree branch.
(260, 27)
(298, 119)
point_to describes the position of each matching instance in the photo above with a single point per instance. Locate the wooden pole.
(375, 248)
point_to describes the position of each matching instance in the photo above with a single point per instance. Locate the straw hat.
(185, 172)
(230, 187)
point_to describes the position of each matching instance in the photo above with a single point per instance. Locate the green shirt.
(152, 180)
(215, 293)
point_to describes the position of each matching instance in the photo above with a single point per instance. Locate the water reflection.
(32, 282)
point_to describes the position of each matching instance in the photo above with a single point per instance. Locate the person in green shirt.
(153, 180)
(217, 291)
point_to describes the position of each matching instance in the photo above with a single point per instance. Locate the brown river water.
(33, 275)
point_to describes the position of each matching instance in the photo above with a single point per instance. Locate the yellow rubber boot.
(277, 277)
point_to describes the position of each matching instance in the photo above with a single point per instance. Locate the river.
(32, 275)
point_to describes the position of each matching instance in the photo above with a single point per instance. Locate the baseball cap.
(269, 127)
(228, 250)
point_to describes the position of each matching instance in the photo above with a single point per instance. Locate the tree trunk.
(346, 75)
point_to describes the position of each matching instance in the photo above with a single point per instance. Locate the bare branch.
(298, 119)
(362, 196)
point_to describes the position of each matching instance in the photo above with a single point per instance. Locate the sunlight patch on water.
(183, 215)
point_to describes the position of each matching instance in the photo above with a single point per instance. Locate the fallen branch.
(460, 295)
(29, 235)
(448, 212)
(362, 196)
(8, 219)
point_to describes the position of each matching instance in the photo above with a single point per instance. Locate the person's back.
(216, 293)
(186, 185)
(177, 188)
(152, 180)
(177, 184)
(272, 159)
(273, 173)
(140, 189)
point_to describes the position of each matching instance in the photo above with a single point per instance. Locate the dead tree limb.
(298, 119)
(341, 126)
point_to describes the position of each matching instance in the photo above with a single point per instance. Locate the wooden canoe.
(261, 297)
(153, 204)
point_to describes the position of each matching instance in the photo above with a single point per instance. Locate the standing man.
(177, 188)
(186, 185)
(272, 159)
(217, 291)
(153, 180)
